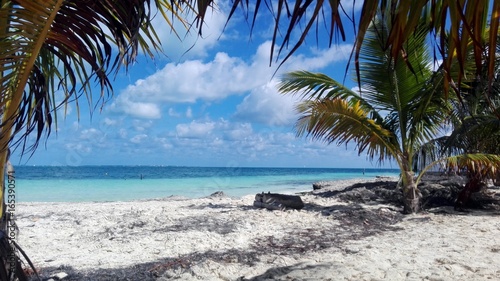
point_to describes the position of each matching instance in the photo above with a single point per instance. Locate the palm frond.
(62, 46)
(476, 133)
(486, 165)
(293, 15)
(404, 87)
(318, 86)
(455, 24)
(341, 121)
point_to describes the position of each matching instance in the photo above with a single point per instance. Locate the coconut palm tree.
(67, 47)
(476, 128)
(394, 114)
(458, 153)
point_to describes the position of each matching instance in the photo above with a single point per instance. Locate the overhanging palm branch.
(452, 24)
(67, 46)
(476, 133)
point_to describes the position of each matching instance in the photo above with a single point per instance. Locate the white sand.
(225, 239)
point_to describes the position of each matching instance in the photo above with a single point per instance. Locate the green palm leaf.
(318, 86)
(341, 121)
(486, 165)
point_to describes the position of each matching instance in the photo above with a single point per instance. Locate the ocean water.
(125, 183)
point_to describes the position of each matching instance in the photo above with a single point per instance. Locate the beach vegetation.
(475, 127)
(395, 111)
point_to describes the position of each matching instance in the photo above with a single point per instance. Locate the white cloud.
(189, 112)
(136, 108)
(91, 134)
(122, 133)
(348, 5)
(238, 131)
(217, 142)
(141, 125)
(224, 76)
(186, 83)
(187, 43)
(266, 106)
(138, 138)
(173, 113)
(320, 58)
(194, 129)
(78, 148)
(109, 122)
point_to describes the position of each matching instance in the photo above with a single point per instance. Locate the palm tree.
(476, 128)
(396, 112)
(62, 45)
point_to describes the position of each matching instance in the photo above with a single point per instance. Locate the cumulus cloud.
(195, 129)
(188, 82)
(266, 106)
(186, 43)
(141, 125)
(189, 112)
(136, 108)
(109, 122)
(173, 113)
(256, 126)
(238, 131)
(138, 138)
(78, 148)
(224, 76)
(91, 134)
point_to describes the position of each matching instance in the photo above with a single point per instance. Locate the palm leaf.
(412, 97)
(294, 15)
(318, 86)
(486, 165)
(456, 24)
(52, 45)
(341, 121)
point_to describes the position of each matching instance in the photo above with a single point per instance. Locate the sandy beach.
(361, 237)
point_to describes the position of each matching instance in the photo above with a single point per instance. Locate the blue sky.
(216, 105)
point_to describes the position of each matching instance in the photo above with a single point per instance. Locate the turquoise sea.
(125, 183)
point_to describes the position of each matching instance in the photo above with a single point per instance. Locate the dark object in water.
(276, 201)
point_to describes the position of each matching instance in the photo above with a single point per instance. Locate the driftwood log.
(276, 201)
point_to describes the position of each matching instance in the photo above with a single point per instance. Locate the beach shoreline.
(226, 238)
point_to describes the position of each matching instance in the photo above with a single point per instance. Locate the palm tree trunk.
(411, 194)
(475, 183)
(496, 181)
(8, 255)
